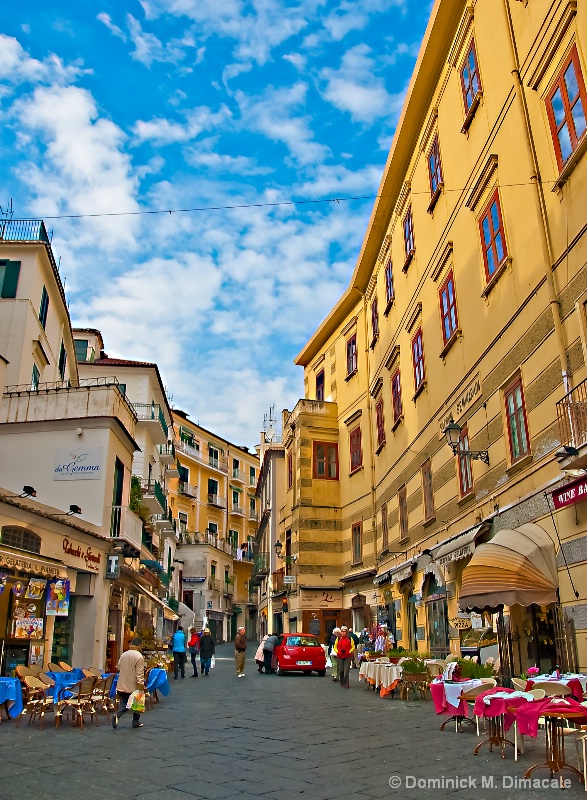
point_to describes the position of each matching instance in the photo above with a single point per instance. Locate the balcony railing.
(228, 588)
(187, 489)
(277, 580)
(216, 500)
(572, 417)
(147, 412)
(243, 554)
(213, 584)
(236, 509)
(154, 496)
(126, 526)
(253, 514)
(239, 475)
(220, 463)
(167, 453)
(260, 567)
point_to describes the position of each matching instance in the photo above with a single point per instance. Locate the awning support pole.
(576, 593)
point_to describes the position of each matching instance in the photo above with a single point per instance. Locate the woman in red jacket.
(194, 648)
(343, 650)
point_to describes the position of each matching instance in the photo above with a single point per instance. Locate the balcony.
(277, 580)
(572, 424)
(242, 554)
(260, 568)
(126, 526)
(236, 509)
(154, 497)
(253, 515)
(239, 475)
(167, 453)
(213, 584)
(92, 397)
(228, 588)
(218, 464)
(216, 500)
(151, 415)
(187, 489)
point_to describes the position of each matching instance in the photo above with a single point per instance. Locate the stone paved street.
(278, 738)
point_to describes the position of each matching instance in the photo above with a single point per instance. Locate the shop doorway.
(437, 619)
(412, 621)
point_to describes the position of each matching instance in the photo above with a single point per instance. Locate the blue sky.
(167, 104)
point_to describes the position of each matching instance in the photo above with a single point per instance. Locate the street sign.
(113, 567)
(289, 579)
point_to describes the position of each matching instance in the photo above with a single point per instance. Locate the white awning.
(398, 573)
(149, 594)
(168, 614)
(460, 547)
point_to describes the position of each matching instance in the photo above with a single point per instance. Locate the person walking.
(178, 646)
(355, 639)
(259, 659)
(207, 650)
(268, 648)
(344, 648)
(194, 648)
(131, 678)
(333, 661)
(240, 651)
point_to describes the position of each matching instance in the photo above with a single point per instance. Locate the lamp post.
(452, 434)
(278, 547)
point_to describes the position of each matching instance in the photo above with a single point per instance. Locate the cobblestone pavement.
(264, 736)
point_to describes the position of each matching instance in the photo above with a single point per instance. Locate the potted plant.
(396, 653)
(470, 669)
(414, 677)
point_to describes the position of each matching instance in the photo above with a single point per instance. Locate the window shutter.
(9, 275)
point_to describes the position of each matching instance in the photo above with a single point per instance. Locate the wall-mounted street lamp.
(452, 433)
(278, 547)
(27, 491)
(73, 509)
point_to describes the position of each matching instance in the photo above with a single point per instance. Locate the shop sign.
(570, 494)
(401, 575)
(467, 397)
(456, 555)
(35, 589)
(358, 601)
(80, 464)
(28, 564)
(3, 579)
(113, 567)
(57, 598)
(194, 580)
(29, 628)
(461, 623)
(312, 599)
(91, 560)
(289, 580)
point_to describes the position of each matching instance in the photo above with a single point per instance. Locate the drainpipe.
(370, 424)
(537, 181)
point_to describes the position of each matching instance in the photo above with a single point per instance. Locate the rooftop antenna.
(6, 214)
(270, 425)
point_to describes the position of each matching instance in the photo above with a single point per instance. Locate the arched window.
(21, 539)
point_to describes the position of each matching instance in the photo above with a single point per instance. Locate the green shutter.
(9, 272)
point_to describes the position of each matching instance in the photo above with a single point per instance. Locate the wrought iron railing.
(572, 416)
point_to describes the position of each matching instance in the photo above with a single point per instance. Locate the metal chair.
(37, 700)
(101, 695)
(79, 703)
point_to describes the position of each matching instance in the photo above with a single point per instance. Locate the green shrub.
(470, 669)
(414, 666)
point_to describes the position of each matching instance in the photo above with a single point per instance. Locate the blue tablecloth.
(11, 692)
(157, 682)
(62, 680)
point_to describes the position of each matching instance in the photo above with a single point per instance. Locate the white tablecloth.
(380, 674)
(453, 691)
(563, 679)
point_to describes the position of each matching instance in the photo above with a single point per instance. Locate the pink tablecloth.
(441, 704)
(574, 685)
(527, 715)
(498, 706)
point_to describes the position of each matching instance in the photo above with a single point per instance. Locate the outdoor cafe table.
(63, 680)
(555, 711)
(498, 706)
(448, 701)
(157, 682)
(11, 694)
(576, 683)
(384, 675)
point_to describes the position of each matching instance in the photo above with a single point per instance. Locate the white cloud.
(207, 157)
(354, 15)
(164, 132)
(17, 66)
(299, 61)
(148, 48)
(339, 181)
(106, 20)
(354, 87)
(274, 115)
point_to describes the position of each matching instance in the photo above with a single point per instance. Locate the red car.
(300, 652)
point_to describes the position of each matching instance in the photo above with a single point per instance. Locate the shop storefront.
(321, 611)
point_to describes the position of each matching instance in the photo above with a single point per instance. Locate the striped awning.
(515, 567)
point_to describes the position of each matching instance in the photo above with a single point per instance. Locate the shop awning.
(34, 565)
(397, 573)
(458, 547)
(358, 576)
(153, 597)
(169, 614)
(154, 566)
(515, 567)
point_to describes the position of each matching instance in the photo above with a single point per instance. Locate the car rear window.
(302, 641)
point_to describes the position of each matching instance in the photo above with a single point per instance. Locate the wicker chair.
(92, 672)
(36, 669)
(65, 667)
(555, 689)
(22, 672)
(101, 695)
(79, 703)
(53, 667)
(37, 700)
(519, 684)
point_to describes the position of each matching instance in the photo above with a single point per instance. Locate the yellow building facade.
(213, 500)
(466, 306)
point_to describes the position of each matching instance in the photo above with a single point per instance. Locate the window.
(380, 423)
(402, 500)
(357, 542)
(212, 489)
(351, 355)
(213, 529)
(252, 476)
(81, 349)
(389, 283)
(566, 107)
(289, 471)
(409, 242)
(9, 272)
(235, 499)
(184, 474)
(213, 456)
(492, 237)
(448, 308)
(44, 308)
(384, 528)
(517, 423)
(465, 470)
(183, 521)
(418, 360)
(62, 361)
(374, 321)
(470, 79)
(396, 396)
(252, 506)
(326, 460)
(427, 490)
(35, 378)
(21, 539)
(235, 468)
(213, 565)
(356, 449)
(320, 386)
(435, 168)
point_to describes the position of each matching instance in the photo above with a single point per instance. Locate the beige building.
(466, 304)
(215, 507)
